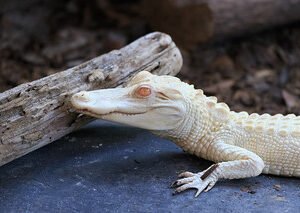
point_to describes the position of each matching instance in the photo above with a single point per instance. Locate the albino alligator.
(242, 145)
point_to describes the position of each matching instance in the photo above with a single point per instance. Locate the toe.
(184, 187)
(200, 188)
(198, 192)
(210, 185)
(184, 181)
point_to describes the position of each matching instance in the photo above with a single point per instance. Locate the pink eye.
(143, 91)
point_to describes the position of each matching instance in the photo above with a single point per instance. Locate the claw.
(184, 187)
(186, 174)
(174, 184)
(175, 193)
(181, 182)
(184, 181)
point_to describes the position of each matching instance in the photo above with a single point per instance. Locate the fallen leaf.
(264, 73)
(221, 86)
(290, 99)
(277, 187)
(247, 189)
(244, 97)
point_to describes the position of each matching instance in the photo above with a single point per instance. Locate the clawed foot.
(189, 180)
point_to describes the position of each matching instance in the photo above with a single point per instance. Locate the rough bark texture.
(210, 20)
(37, 113)
(234, 17)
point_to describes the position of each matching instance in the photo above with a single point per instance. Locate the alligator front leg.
(232, 163)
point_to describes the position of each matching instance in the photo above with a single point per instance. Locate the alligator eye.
(143, 91)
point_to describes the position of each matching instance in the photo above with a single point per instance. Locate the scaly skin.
(241, 145)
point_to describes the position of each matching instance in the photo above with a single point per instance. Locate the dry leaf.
(277, 187)
(221, 86)
(290, 99)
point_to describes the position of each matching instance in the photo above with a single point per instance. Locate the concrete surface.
(109, 168)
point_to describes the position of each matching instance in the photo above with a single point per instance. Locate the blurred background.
(247, 53)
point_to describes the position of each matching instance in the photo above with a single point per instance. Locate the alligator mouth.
(88, 112)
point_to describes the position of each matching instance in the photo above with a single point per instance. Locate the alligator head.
(148, 101)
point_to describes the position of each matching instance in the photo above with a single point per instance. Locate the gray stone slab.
(110, 168)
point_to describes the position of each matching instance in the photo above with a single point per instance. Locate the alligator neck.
(197, 130)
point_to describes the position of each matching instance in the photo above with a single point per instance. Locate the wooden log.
(37, 113)
(199, 21)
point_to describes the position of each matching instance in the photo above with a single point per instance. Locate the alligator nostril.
(82, 96)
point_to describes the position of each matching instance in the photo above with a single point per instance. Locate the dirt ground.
(258, 73)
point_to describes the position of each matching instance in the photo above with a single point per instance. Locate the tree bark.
(234, 17)
(200, 21)
(37, 113)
